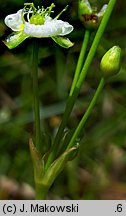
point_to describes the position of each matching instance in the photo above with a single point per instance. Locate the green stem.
(56, 144)
(70, 99)
(36, 93)
(80, 60)
(41, 192)
(73, 97)
(87, 114)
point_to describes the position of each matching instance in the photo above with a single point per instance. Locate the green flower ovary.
(37, 19)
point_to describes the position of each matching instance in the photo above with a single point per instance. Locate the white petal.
(102, 11)
(65, 27)
(47, 18)
(14, 21)
(49, 29)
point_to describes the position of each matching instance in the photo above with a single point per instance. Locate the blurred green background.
(99, 171)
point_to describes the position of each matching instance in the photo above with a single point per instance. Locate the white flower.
(49, 29)
(14, 21)
(38, 24)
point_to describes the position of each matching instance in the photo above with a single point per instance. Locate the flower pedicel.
(32, 22)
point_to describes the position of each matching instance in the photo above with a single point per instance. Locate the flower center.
(37, 19)
(37, 15)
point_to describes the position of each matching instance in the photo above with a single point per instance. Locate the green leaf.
(73, 154)
(38, 161)
(66, 139)
(57, 166)
(14, 39)
(63, 41)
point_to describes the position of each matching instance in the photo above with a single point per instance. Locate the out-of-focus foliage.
(99, 170)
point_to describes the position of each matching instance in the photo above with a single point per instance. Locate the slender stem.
(87, 114)
(36, 93)
(70, 99)
(41, 192)
(80, 60)
(56, 144)
(73, 97)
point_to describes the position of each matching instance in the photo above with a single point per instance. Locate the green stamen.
(61, 12)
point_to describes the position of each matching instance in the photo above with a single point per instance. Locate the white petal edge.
(102, 11)
(49, 29)
(14, 21)
(88, 5)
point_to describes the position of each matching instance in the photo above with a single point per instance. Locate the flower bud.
(110, 63)
(89, 16)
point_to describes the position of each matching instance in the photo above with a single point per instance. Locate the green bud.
(110, 63)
